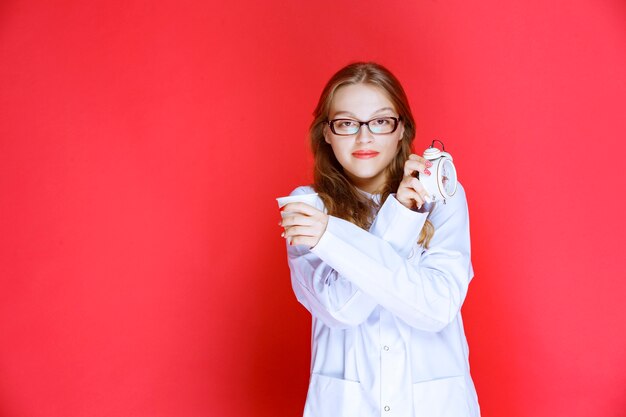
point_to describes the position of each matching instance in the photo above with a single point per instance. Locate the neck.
(368, 185)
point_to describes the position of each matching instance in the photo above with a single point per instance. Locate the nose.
(364, 135)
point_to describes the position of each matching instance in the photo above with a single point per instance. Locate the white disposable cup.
(310, 199)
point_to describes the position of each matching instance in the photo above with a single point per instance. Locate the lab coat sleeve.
(326, 294)
(398, 226)
(426, 294)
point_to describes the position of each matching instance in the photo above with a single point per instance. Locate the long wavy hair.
(341, 198)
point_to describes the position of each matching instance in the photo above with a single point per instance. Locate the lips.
(365, 154)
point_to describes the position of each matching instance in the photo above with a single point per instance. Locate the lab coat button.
(386, 348)
(387, 408)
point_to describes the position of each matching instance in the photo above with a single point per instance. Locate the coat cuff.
(398, 225)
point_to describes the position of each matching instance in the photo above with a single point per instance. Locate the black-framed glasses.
(378, 126)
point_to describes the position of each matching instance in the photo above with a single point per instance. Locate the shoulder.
(303, 189)
(453, 208)
(459, 197)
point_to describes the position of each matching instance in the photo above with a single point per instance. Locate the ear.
(326, 132)
(401, 135)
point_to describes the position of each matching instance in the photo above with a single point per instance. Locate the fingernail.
(282, 234)
(427, 172)
(429, 164)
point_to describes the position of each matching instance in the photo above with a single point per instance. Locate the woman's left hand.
(411, 193)
(303, 223)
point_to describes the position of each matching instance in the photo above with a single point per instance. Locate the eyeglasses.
(378, 126)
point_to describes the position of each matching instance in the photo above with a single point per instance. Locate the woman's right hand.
(303, 224)
(411, 193)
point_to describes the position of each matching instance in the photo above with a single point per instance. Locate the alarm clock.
(442, 182)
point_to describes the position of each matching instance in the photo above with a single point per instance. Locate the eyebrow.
(347, 113)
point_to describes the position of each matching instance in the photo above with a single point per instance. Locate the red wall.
(142, 145)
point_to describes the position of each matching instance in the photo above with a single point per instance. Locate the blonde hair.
(341, 198)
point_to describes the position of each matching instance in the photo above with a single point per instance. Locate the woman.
(382, 273)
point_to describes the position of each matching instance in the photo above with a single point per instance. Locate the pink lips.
(364, 154)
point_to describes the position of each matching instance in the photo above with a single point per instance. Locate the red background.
(142, 145)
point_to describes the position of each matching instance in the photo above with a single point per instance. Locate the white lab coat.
(387, 333)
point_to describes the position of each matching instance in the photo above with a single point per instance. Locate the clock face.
(448, 177)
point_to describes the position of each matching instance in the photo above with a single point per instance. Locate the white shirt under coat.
(387, 333)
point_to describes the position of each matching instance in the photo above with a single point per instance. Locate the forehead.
(361, 100)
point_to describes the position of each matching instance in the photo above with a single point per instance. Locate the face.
(364, 155)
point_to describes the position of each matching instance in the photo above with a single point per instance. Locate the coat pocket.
(444, 397)
(334, 397)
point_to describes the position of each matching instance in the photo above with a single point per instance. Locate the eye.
(346, 123)
(382, 122)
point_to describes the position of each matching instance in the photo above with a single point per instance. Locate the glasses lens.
(345, 126)
(382, 125)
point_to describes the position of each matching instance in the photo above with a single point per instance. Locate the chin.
(364, 176)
